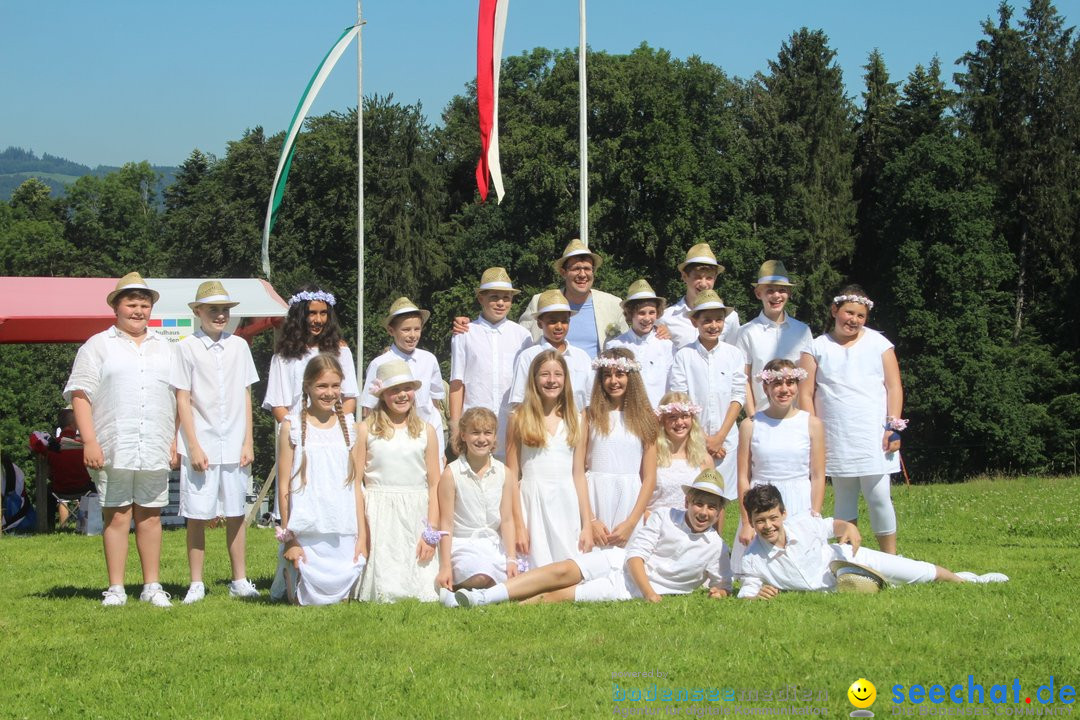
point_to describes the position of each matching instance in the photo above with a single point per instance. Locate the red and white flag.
(491, 27)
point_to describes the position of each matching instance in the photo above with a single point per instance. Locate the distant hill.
(17, 165)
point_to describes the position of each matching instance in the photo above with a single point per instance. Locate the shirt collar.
(485, 323)
(208, 342)
(401, 353)
(681, 306)
(701, 348)
(468, 471)
(548, 346)
(761, 319)
(118, 333)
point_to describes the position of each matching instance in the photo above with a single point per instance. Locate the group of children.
(601, 478)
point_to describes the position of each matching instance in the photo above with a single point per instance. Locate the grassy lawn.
(68, 656)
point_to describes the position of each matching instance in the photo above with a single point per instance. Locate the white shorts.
(471, 556)
(603, 578)
(220, 491)
(119, 487)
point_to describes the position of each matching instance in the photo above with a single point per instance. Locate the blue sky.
(120, 80)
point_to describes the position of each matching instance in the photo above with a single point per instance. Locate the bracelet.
(521, 562)
(284, 535)
(895, 424)
(430, 535)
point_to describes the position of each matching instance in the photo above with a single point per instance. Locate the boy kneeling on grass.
(671, 553)
(795, 553)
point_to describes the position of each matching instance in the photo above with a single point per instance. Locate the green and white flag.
(277, 190)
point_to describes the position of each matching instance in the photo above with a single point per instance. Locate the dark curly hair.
(295, 338)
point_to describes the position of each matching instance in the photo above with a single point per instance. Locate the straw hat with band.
(773, 272)
(131, 281)
(212, 292)
(701, 254)
(709, 481)
(855, 578)
(402, 306)
(642, 290)
(575, 248)
(707, 300)
(495, 278)
(393, 374)
(553, 301)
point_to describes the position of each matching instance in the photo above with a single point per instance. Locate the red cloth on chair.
(69, 475)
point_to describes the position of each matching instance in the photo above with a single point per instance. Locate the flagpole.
(583, 131)
(359, 192)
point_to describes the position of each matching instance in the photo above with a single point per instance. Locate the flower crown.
(308, 295)
(678, 408)
(771, 376)
(625, 364)
(841, 299)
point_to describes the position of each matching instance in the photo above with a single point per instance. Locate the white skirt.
(327, 573)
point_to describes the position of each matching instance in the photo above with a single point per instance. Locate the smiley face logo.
(862, 693)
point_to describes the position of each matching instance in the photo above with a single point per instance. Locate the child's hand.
(890, 443)
(361, 550)
(424, 552)
(716, 593)
(714, 444)
(851, 536)
(445, 579)
(599, 532)
(521, 543)
(174, 457)
(247, 454)
(199, 461)
(295, 555)
(662, 332)
(767, 592)
(746, 534)
(585, 540)
(620, 534)
(93, 457)
(511, 568)
(461, 325)
(652, 597)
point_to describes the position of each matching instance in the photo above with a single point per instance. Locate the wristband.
(896, 424)
(284, 535)
(430, 535)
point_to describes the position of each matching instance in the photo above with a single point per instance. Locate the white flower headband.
(678, 408)
(841, 299)
(771, 376)
(308, 296)
(623, 363)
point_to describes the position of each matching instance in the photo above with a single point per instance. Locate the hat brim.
(415, 386)
(773, 282)
(111, 297)
(853, 577)
(596, 260)
(424, 315)
(709, 306)
(197, 303)
(698, 261)
(712, 490)
(660, 307)
(512, 291)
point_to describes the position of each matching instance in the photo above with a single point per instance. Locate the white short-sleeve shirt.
(133, 405)
(654, 355)
(677, 319)
(483, 360)
(285, 382)
(762, 340)
(577, 362)
(677, 559)
(217, 374)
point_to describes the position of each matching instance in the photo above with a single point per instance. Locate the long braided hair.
(316, 367)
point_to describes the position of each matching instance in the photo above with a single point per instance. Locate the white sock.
(497, 593)
(197, 583)
(117, 589)
(447, 598)
(151, 586)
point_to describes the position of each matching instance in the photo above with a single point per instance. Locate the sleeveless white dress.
(322, 514)
(549, 501)
(669, 482)
(396, 495)
(614, 471)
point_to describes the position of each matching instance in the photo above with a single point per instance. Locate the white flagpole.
(583, 133)
(359, 193)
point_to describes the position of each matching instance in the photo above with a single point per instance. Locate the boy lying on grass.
(672, 553)
(795, 553)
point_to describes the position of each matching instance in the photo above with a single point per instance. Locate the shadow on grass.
(68, 592)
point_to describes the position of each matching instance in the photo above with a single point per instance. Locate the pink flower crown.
(678, 408)
(841, 299)
(623, 363)
(771, 376)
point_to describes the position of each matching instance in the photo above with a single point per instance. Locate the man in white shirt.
(795, 553)
(673, 553)
(699, 271)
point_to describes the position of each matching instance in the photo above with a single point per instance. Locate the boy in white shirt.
(642, 308)
(212, 378)
(482, 360)
(698, 271)
(405, 322)
(795, 553)
(672, 553)
(553, 316)
(772, 334)
(711, 373)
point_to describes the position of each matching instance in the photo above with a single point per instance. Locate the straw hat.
(495, 278)
(391, 374)
(212, 292)
(132, 281)
(708, 480)
(701, 254)
(773, 272)
(576, 247)
(642, 290)
(553, 301)
(402, 306)
(855, 578)
(707, 300)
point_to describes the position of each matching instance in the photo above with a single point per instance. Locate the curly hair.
(295, 337)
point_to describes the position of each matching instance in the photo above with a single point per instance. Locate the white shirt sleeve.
(183, 367)
(366, 398)
(719, 572)
(751, 586)
(278, 385)
(435, 381)
(85, 372)
(252, 371)
(677, 377)
(457, 358)
(517, 385)
(643, 540)
(348, 366)
(738, 382)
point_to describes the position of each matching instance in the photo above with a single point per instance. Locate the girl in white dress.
(323, 532)
(543, 440)
(621, 457)
(400, 456)
(475, 510)
(680, 451)
(854, 387)
(781, 446)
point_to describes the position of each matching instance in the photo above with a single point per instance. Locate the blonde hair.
(528, 419)
(638, 415)
(477, 417)
(695, 441)
(382, 427)
(316, 367)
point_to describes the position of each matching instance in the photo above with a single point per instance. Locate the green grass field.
(67, 656)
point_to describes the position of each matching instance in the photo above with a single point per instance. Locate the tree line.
(958, 211)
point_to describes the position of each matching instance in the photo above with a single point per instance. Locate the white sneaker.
(470, 598)
(155, 595)
(243, 589)
(993, 577)
(968, 576)
(114, 596)
(447, 598)
(195, 593)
